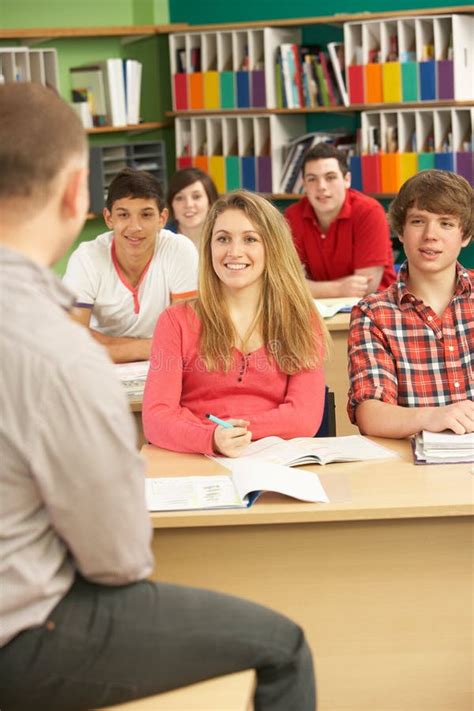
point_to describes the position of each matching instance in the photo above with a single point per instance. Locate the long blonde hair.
(292, 330)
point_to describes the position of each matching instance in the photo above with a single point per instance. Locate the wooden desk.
(381, 579)
(336, 371)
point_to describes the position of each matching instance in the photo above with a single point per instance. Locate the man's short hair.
(134, 183)
(325, 150)
(437, 191)
(39, 133)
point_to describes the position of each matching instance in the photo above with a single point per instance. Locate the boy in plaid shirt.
(411, 347)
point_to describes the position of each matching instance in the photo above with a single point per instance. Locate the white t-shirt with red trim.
(93, 277)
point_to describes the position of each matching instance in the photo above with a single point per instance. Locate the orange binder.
(196, 90)
(390, 172)
(373, 83)
(201, 162)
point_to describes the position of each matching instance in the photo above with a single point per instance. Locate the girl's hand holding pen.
(231, 441)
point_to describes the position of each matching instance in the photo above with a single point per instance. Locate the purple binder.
(264, 174)
(445, 79)
(258, 95)
(465, 166)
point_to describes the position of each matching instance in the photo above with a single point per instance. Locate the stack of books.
(291, 177)
(108, 92)
(133, 377)
(443, 448)
(308, 76)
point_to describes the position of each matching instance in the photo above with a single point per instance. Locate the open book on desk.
(442, 448)
(237, 490)
(330, 307)
(309, 450)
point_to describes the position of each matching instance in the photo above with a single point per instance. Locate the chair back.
(327, 427)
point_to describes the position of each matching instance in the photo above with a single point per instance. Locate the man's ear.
(466, 241)
(164, 214)
(75, 198)
(107, 215)
(347, 179)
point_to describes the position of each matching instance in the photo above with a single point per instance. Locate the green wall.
(206, 11)
(81, 13)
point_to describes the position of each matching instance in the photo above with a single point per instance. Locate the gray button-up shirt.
(71, 481)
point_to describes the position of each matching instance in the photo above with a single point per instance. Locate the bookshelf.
(81, 45)
(204, 105)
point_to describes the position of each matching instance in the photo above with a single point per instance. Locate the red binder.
(184, 162)
(371, 178)
(355, 75)
(180, 92)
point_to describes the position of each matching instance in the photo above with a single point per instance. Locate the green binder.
(410, 81)
(227, 82)
(426, 161)
(232, 172)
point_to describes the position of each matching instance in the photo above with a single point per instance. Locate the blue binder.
(248, 173)
(355, 166)
(428, 81)
(444, 161)
(243, 89)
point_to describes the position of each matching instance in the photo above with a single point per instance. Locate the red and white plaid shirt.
(401, 352)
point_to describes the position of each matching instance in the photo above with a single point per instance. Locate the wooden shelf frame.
(50, 33)
(353, 108)
(130, 128)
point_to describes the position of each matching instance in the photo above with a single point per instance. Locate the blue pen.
(218, 421)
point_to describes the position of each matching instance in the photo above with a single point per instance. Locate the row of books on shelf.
(25, 64)
(308, 76)
(382, 173)
(107, 93)
(241, 89)
(398, 82)
(422, 58)
(385, 173)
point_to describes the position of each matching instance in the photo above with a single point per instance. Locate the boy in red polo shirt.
(411, 347)
(341, 236)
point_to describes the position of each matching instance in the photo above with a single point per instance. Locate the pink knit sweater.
(180, 391)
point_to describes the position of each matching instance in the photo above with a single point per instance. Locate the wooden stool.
(233, 692)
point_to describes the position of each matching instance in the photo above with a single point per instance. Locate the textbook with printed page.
(443, 448)
(229, 491)
(310, 450)
(330, 307)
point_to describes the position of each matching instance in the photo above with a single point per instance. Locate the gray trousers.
(107, 645)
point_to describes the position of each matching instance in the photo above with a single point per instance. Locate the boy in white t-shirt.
(126, 277)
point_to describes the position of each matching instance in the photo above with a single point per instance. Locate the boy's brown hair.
(325, 150)
(437, 191)
(133, 183)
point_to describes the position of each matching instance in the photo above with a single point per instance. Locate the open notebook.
(236, 490)
(310, 450)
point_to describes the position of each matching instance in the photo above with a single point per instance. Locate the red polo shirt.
(359, 237)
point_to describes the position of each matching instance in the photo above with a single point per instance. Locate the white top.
(92, 276)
